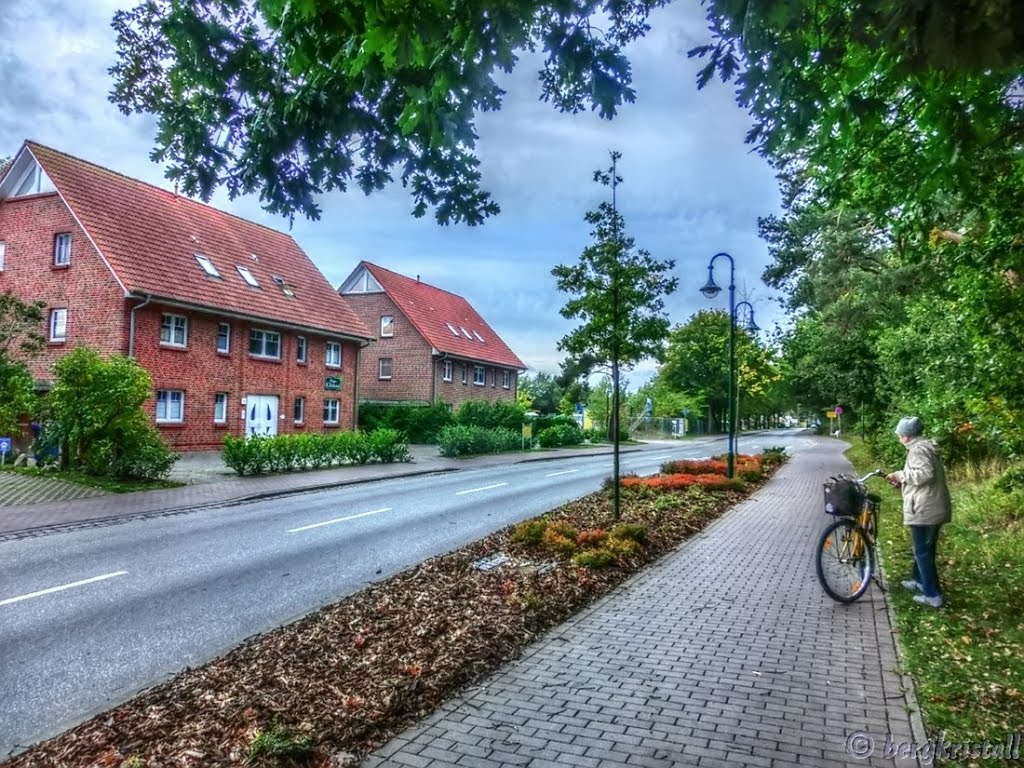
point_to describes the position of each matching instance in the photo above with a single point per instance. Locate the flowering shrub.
(592, 538)
(676, 482)
(694, 467)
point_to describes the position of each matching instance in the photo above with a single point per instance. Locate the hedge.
(419, 423)
(290, 453)
(462, 440)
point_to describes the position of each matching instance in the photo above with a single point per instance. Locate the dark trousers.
(925, 539)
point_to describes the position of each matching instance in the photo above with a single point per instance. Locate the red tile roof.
(432, 309)
(150, 238)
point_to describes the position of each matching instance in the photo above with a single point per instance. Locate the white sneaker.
(934, 602)
(913, 586)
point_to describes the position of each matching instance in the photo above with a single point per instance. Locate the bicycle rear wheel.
(844, 560)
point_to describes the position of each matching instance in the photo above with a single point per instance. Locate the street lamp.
(710, 290)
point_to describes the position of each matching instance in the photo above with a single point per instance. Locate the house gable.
(360, 281)
(24, 176)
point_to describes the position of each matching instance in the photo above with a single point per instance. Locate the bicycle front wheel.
(844, 560)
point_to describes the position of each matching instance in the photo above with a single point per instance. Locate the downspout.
(131, 325)
(355, 387)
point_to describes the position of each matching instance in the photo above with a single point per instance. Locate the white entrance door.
(261, 415)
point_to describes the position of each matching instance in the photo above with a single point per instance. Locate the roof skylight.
(465, 333)
(207, 265)
(452, 329)
(247, 276)
(479, 337)
(281, 283)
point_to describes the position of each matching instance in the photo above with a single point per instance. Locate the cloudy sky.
(691, 187)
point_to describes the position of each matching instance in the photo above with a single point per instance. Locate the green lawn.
(967, 659)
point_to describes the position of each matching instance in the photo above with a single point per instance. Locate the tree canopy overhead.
(291, 98)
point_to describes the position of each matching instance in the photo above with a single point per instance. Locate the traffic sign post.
(5, 448)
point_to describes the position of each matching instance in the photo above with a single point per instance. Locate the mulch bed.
(350, 676)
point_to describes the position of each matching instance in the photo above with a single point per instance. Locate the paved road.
(90, 617)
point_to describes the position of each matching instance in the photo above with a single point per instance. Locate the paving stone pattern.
(725, 653)
(18, 490)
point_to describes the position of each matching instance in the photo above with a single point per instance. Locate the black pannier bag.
(843, 496)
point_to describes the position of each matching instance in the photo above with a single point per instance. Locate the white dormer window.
(478, 337)
(281, 283)
(452, 329)
(465, 333)
(207, 265)
(247, 276)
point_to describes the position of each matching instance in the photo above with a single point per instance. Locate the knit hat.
(909, 426)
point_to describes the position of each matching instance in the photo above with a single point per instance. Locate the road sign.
(5, 445)
(838, 410)
(830, 414)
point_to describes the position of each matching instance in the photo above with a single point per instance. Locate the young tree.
(96, 411)
(617, 293)
(20, 340)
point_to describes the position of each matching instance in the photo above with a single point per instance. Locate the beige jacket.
(926, 498)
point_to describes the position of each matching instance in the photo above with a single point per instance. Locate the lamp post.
(710, 290)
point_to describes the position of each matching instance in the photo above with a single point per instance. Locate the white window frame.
(248, 276)
(380, 368)
(171, 328)
(299, 410)
(166, 398)
(263, 335)
(494, 377)
(58, 325)
(447, 370)
(207, 265)
(479, 337)
(301, 350)
(220, 407)
(328, 347)
(479, 376)
(506, 379)
(62, 249)
(328, 402)
(3, 254)
(452, 329)
(465, 373)
(226, 349)
(390, 324)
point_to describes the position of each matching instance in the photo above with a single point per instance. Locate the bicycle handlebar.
(869, 475)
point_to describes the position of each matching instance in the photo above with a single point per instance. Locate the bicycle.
(845, 559)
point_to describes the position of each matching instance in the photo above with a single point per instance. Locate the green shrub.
(463, 440)
(1012, 479)
(502, 414)
(556, 541)
(278, 742)
(419, 423)
(285, 453)
(388, 447)
(595, 435)
(596, 559)
(531, 532)
(771, 457)
(630, 531)
(560, 435)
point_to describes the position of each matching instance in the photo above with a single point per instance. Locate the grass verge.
(966, 659)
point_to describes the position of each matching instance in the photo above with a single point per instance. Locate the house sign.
(332, 383)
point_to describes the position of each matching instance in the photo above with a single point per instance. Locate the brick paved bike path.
(725, 653)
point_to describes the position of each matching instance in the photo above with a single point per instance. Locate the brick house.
(239, 330)
(431, 344)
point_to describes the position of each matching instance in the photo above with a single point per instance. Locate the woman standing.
(926, 506)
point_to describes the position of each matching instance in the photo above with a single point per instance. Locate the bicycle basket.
(844, 496)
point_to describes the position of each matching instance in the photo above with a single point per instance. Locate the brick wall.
(415, 376)
(86, 288)
(200, 371)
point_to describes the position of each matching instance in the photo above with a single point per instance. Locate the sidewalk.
(726, 653)
(211, 485)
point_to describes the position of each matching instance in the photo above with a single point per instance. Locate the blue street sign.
(5, 445)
